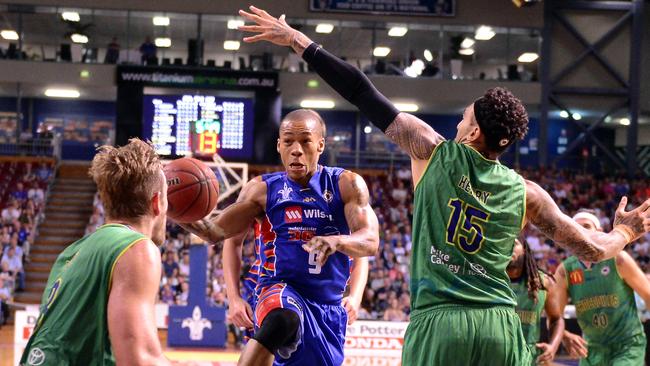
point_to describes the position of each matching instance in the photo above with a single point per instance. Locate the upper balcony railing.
(418, 49)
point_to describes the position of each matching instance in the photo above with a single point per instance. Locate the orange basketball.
(193, 190)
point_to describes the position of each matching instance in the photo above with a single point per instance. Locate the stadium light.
(467, 43)
(9, 34)
(484, 33)
(625, 121)
(317, 103)
(381, 51)
(576, 116)
(161, 21)
(70, 16)
(528, 57)
(163, 42)
(406, 107)
(324, 28)
(62, 93)
(564, 114)
(367, 129)
(397, 31)
(235, 23)
(231, 45)
(79, 38)
(466, 51)
(428, 55)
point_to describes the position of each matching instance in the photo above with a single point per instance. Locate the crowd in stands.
(22, 198)
(386, 295)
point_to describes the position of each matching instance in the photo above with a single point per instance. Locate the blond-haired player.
(98, 305)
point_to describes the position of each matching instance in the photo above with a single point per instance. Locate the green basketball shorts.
(462, 335)
(630, 352)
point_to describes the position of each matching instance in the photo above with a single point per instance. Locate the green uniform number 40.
(469, 235)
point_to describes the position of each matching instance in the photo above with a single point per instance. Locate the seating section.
(23, 184)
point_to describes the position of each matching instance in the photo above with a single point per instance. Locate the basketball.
(192, 190)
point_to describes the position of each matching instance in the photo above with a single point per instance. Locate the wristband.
(626, 231)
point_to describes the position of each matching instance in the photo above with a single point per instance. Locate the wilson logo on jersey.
(576, 277)
(293, 214)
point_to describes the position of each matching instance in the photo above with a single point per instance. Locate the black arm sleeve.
(352, 85)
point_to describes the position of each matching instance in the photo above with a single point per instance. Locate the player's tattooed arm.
(587, 245)
(235, 218)
(414, 136)
(362, 221)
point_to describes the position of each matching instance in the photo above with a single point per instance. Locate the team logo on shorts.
(36, 357)
(576, 277)
(605, 271)
(328, 196)
(293, 214)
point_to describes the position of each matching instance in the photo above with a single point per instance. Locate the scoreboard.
(199, 125)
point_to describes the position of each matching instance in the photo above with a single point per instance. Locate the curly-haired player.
(468, 211)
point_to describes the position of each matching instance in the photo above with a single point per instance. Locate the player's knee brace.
(278, 329)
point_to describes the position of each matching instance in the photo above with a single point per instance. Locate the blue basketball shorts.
(321, 336)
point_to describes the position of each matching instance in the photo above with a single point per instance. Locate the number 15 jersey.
(294, 215)
(468, 212)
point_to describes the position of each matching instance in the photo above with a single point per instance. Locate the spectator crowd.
(22, 198)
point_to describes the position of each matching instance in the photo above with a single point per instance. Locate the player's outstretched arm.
(239, 312)
(410, 133)
(587, 245)
(235, 218)
(633, 276)
(358, 280)
(131, 306)
(554, 320)
(362, 221)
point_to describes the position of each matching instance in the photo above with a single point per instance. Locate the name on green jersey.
(466, 186)
(601, 301)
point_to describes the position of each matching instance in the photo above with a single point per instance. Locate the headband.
(588, 216)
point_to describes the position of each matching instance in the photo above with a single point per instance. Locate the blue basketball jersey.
(294, 215)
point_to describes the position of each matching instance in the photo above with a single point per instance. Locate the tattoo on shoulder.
(413, 139)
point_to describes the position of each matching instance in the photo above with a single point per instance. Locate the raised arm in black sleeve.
(352, 85)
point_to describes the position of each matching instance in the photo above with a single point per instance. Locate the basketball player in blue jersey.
(242, 301)
(317, 218)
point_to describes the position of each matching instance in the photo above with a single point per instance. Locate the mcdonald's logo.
(576, 277)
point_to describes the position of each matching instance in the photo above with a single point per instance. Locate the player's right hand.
(240, 313)
(575, 345)
(635, 222)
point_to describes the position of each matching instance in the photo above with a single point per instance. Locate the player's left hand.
(548, 353)
(352, 306)
(324, 246)
(271, 29)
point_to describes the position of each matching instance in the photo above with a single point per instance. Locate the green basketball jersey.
(468, 212)
(72, 328)
(605, 305)
(529, 310)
